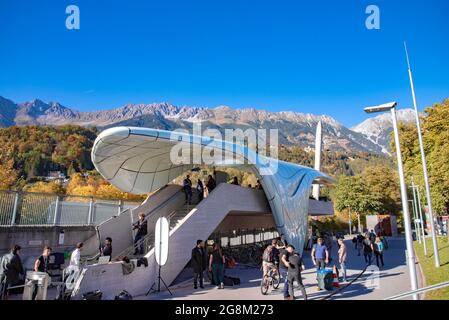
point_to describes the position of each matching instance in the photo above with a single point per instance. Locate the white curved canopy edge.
(137, 160)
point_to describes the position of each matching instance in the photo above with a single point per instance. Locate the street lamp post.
(407, 223)
(424, 166)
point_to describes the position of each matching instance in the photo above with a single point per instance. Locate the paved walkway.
(373, 285)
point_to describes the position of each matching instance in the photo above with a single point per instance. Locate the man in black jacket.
(10, 270)
(142, 231)
(106, 250)
(198, 264)
(295, 266)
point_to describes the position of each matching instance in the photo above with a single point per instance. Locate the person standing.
(295, 266)
(187, 186)
(106, 250)
(11, 271)
(342, 254)
(198, 264)
(42, 263)
(328, 241)
(211, 184)
(368, 249)
(76, 256)
(378, 251)
(320, 254)
(283, 269)
(360, 239)
(283, 240)
(200, 190)
(216, 265)
(142, 231)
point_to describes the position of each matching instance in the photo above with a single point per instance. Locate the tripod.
(159, 279)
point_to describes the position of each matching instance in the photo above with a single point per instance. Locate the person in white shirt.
(342, 254)
(76, 255)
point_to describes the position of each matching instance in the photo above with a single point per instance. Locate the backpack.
(268, 254)
(124, 295)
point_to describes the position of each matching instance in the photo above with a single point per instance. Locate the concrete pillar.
(318, 146)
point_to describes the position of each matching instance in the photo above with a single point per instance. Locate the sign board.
(161, 241)
(61, 238)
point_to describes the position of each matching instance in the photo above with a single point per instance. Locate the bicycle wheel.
(275, 281)
(265, 285)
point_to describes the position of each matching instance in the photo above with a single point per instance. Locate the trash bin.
(36, 284)
(325, 279)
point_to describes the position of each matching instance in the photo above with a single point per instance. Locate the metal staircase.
(174, 219)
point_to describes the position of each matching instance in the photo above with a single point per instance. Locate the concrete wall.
(198, 224)
(32, 239)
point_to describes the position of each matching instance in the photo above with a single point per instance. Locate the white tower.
(318, 145)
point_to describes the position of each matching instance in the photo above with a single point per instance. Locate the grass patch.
(435, 275)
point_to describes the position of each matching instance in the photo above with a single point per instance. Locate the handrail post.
(14, 210)
(57, 211)
(91, 207)
(120, 207)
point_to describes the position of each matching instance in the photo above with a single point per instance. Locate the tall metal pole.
(407, 224)
(424, 166)
(422, 220)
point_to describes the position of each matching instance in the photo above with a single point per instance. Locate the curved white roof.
(137, 160)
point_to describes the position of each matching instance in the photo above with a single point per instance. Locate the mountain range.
(371, 136)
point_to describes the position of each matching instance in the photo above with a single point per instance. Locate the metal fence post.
(91, 207)
(57, 211)
(120, 206)
(14, 210)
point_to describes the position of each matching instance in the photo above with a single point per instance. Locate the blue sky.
(306, 56)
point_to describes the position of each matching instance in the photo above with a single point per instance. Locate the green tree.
(435, 126)
(353, 194)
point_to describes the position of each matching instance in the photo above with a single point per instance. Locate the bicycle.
(271, 279)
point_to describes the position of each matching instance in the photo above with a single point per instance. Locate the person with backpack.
(368, 249)
(320, 255)
(378, 251)
(295, 266)
(270, 257)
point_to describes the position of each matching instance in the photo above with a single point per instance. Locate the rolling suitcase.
(324, 278)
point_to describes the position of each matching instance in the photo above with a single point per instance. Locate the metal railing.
(419, 291)
(32, 209)
(147, 242)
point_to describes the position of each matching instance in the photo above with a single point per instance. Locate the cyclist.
(270, 258)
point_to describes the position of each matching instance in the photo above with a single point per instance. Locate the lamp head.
(381, 108)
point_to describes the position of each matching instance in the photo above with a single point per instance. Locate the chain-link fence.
(24, 208)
